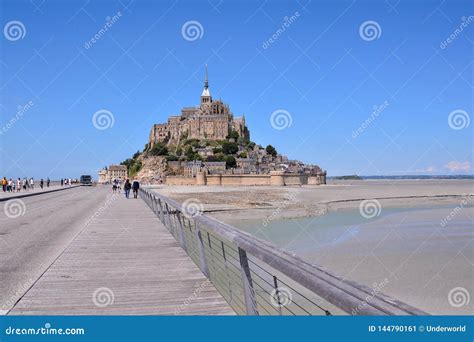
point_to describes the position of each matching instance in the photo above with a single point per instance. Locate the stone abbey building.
(211, 120)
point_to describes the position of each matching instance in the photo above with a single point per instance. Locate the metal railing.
(258, 278)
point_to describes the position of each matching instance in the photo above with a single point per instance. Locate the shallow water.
(419, 253)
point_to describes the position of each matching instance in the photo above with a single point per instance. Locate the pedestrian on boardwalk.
(24, 183)
(41, 183)
(11, 185)
(69, 181)
(62, 182)
(135, 187)
(47, 182)
(18, 185)
(32, 183)
(4, 184)
(126, 187)
(114, 186)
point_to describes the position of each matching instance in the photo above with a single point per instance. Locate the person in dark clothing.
(135, 187)
(127, 186)
(47, 182)
(41, 183)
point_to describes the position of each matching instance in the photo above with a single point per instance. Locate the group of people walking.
(127, 186)
(24, 184)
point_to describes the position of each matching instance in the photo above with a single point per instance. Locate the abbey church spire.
(206, 95)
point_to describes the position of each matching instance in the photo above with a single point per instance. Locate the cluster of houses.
(258, 161)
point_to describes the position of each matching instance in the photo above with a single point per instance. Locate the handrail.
(348, 296)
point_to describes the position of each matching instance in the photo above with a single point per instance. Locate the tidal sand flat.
(415, 243)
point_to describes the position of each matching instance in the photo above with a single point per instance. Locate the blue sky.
(322, 71)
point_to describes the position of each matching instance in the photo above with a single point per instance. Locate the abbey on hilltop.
(211, 120)
(207, 145)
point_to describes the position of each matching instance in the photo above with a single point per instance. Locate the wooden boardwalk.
(124, 262)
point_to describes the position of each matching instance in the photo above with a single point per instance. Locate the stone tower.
(206, 95)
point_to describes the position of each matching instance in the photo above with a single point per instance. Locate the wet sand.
(420, 239)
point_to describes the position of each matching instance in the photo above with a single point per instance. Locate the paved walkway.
(124, 262)
(37, 190)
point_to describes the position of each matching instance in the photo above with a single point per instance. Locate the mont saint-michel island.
(208, 145)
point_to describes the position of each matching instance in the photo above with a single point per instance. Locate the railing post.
(226, 270)
(249, 293)
(182, 238)
(277, 293)
(202, 254)
(162, 218)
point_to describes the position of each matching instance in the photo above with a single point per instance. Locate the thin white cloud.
(454, 166)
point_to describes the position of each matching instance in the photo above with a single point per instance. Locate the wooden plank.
(124, 262)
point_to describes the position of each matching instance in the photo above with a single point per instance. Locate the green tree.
(171, 157)
(230, 162)
(233, 134)
(271, 150)
(230, 147)
(159, 150)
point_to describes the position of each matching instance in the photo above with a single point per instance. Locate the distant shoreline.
(404, 177)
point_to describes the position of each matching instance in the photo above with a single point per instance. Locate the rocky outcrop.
(153, 170)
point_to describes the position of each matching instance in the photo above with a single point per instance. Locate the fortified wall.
(274, 178)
